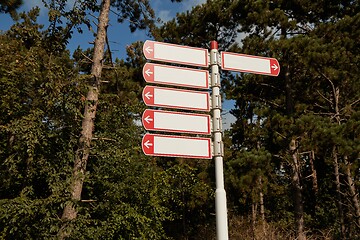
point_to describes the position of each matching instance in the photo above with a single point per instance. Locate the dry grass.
(241, 229)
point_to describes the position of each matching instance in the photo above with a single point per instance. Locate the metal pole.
(220, 194)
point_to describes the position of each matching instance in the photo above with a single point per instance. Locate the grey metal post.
(220, 194)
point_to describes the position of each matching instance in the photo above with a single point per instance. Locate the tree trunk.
(313, 173)
(352, 190)
(82, 153)
(315, 187)
(253, 219)
(338, 192)
(299, 208)
(336, 96)
(262, 208)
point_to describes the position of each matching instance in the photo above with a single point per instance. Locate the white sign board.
(173, 53)
(176, 146)
(176, 76)
(176, 98)
(168, 121)
(249, 63)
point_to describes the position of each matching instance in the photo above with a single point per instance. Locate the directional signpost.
(192, 123)
(248, 63)
(176, 98)
(157, 120)
(176, 146)
(176, 76)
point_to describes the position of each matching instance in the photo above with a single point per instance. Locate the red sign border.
(150, 43)
(175, 84)
(147, 135)
(272, 60)
(176, 107)
(176, 113)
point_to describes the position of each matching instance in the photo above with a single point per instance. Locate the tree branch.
(328, 100)
(87, 57)
(104, 139)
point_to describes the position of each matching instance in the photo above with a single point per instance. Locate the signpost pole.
(220, 194)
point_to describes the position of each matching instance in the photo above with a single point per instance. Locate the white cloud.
(240, 36)
(31, 4)
(166, 10)
(189, 4)
(165, 15)
(227, 120)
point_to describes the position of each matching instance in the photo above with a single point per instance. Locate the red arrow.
(148, 119)
(148, 95)
(275, 67)
(148, 72)
(148, 144)
(148, 49)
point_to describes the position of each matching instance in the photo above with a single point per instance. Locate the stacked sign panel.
(175, 98)
(191, 100)
(190, 123)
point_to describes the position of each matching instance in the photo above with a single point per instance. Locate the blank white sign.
(183, 147)
(181, 99)
(181, 76)
(182, 122)
(245, 63)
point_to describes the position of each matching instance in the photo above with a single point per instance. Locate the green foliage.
(139, 13)
(127, 195)
(10, 7)
(311, 101)
(204, 23)
(38, 125)
(314, 101)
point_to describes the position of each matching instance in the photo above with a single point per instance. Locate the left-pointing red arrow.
(148, 95)
(148, 144)
(148, 49)
(148, 72)
(148, 119)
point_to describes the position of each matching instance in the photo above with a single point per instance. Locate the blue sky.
(119, 34)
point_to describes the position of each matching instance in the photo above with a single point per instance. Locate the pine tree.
(315, 43)
(10, 7)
